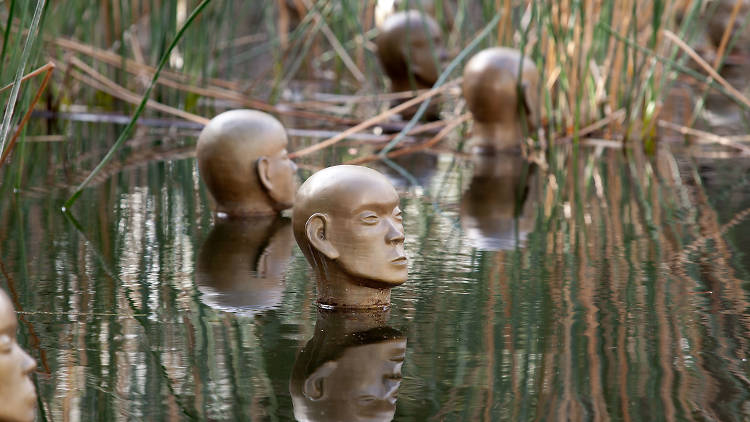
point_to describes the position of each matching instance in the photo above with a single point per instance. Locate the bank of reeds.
(606, 66)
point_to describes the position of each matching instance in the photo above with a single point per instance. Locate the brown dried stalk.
(48, 68)
(374, 120)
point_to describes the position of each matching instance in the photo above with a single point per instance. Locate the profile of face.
(243, 161)
(351, 377)
(490, 88)
(405, 48)
(348, 224)
(17, 392)
(496, 213)
(241, 264)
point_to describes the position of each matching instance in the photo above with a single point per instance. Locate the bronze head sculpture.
(496, 213)
(347, 221)
(17, 392)
(243, 160)
(350, 370)
(241, 264)
(491, 89)
(405, 49)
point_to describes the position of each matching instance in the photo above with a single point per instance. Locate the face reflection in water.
(363, 383)
(348, 371)
(17, 392)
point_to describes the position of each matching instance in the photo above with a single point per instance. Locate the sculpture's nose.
(443, 56)
(395, 232)
(29, 364)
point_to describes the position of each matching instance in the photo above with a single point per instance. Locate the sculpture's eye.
(369, 217)
(6, 343)
(397, 214)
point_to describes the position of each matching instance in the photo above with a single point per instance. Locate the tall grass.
(600, 62)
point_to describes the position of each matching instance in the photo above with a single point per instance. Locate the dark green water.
(621, 294)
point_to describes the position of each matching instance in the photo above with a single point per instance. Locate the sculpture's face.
(368, 233)
(422, 41)
(283, 173)
(17, 392)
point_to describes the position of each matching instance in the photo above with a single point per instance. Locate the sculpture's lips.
(401, 260)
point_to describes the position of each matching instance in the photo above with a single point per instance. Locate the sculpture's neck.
(351, 321)
(497, 135)
(339, 290)
(252, 207)
(403, 84)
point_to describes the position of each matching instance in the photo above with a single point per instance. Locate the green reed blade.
(8, 23)
(678, 67)
(126, 132)
(19, 72)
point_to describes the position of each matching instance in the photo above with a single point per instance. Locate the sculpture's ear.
(531, 103)
(314, 387)
(264, 173)
(317, 230)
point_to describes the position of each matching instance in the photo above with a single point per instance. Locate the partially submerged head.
(491, 89)
(240, 266)
(17, 392)
(347, 221)
(348, 374)
(243, 161)
(406, 44)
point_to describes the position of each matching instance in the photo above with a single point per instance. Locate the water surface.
(615, 289)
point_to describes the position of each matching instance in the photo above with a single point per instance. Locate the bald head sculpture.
(405, 49)
(243, 160)
(17, 392)
(347, 221)
(490, 87)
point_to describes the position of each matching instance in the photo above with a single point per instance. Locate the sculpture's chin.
(392, 277)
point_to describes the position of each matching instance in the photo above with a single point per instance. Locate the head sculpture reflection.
(490, 87)
(350, 370)
(240, 266)
(495, 211)
(17, 392)
(405, 49)
(347, 221)
(243, 160)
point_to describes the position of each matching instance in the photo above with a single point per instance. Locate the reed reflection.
(421, 166)
(495, 212)
(241, 265)
(350, 370)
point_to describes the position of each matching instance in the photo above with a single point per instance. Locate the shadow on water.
(522, 303)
